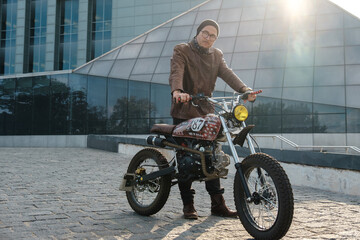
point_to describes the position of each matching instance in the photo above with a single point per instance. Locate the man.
(195, 67)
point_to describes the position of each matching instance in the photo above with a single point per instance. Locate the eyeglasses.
(206, 34)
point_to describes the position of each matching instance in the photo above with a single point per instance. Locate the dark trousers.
(187, 193)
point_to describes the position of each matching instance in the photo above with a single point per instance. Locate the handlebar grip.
(191, 98)
(257, 92)
(197, 96)
(245, 95)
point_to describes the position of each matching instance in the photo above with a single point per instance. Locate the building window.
(37, 46)
(69, 22)
(100, 27)
(8, 14)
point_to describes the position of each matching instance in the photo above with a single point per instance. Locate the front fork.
(236, 157)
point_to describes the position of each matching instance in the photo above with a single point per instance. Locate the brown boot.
(189, 211)
(218, 207)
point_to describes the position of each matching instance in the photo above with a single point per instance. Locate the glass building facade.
(8, 16)
(68, 103)
(100, 27)
(68, 34)
(305, 58)
(36, 45)
(51, 35)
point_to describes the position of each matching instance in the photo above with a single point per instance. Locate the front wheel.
(269, 214)
(149, 197)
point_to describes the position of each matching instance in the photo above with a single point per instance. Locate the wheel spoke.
(148, 197)
(269, 201)
(146, 193)
(264, 209)
(271, 194)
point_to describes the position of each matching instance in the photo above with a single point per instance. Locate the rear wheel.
(149, 197)
(269, 214)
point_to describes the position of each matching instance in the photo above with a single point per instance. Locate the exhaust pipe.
(161, 142)
(156, 141)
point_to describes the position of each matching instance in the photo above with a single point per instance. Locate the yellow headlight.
(240, 113)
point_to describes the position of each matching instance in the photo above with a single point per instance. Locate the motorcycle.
(262, 191)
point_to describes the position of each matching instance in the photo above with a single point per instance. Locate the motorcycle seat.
(164, 129)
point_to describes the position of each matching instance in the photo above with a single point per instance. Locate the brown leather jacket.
(193, 73)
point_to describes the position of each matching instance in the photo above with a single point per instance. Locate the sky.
(352, 6)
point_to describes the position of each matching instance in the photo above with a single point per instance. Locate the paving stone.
(71, 193)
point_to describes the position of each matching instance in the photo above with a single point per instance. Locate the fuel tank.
(203, 128)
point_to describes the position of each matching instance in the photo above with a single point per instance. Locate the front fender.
(241, 136)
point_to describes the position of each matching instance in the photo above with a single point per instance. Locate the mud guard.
(241, 136)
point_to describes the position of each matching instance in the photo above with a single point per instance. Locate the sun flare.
(295, 7)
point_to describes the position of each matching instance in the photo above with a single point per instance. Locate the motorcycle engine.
(221, 161)
(189, 166)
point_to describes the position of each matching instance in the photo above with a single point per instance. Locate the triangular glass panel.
(145, 66)
(84, 69)
(230, 15)
(141, 77)
(129, 51)
(350, 21)
(169, 48)
(187, 19)
(122, 68)
(151, 49)
(158, 35)
(225, 44)
(110, 56)
(180, 33)
(161, 78)
(202, 15)
(163, 65)
(215, 4)
(101, 68)
(139, 40)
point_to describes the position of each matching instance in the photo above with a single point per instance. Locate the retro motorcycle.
(262, 191)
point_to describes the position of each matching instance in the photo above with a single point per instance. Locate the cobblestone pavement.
(71, 193)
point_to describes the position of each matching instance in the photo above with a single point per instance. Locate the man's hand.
(252, 97)
(180, 97)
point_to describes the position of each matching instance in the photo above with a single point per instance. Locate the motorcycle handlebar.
(195, 97)
(243, 96)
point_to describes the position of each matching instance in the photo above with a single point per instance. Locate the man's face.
(207, 36)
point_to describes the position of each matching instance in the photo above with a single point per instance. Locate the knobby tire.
(285, 200)
(164, 182)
